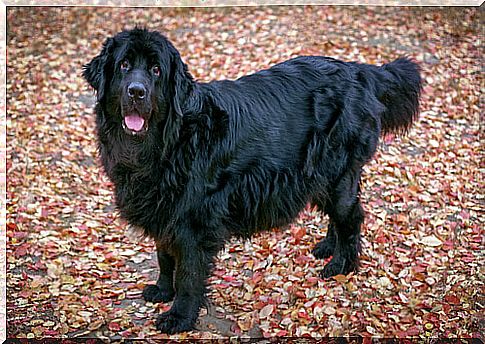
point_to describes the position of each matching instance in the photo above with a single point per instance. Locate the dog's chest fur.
(147, 191)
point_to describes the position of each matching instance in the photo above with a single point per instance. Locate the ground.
(73, 271)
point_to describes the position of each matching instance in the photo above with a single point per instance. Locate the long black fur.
(230, 158)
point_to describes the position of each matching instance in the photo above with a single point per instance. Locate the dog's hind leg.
(346, 217)
(163, 291)
(326, 246)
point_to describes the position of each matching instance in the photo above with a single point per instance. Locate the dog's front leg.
(163, 290)
(192, 268)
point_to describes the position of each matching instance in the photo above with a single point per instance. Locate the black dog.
(196, 163)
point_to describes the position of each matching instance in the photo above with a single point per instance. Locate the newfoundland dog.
(194, 164)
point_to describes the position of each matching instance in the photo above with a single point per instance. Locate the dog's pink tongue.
(134, 122)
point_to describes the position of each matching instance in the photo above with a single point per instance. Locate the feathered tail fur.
(399, 89)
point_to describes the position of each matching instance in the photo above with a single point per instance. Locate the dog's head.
(139, 79)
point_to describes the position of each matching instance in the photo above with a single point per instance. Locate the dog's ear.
(179, 82)
(95, 71)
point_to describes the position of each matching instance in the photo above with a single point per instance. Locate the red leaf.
(12, 226)
(19, 235)
(44, 212)
(51, 333)
(452, 299)
(413, 331)
(126, 333)
(114, 326)
(281, 333)
(298, 232)
(25, 294)
(257, 277)
(21, 250)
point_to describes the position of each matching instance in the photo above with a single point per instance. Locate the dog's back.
(293, 131)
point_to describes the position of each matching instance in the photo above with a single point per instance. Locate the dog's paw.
(171, 322)
(323, 249)
(339, 266)
(153, 293)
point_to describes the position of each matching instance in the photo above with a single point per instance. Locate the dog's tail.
(399, 88)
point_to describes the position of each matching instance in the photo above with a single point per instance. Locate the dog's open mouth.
(134, 124)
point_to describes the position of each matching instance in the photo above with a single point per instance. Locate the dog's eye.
(156, 70)
(125, 66)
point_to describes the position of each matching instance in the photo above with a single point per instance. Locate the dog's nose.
(136, 90)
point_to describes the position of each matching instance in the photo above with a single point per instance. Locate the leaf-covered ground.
(73, 271)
